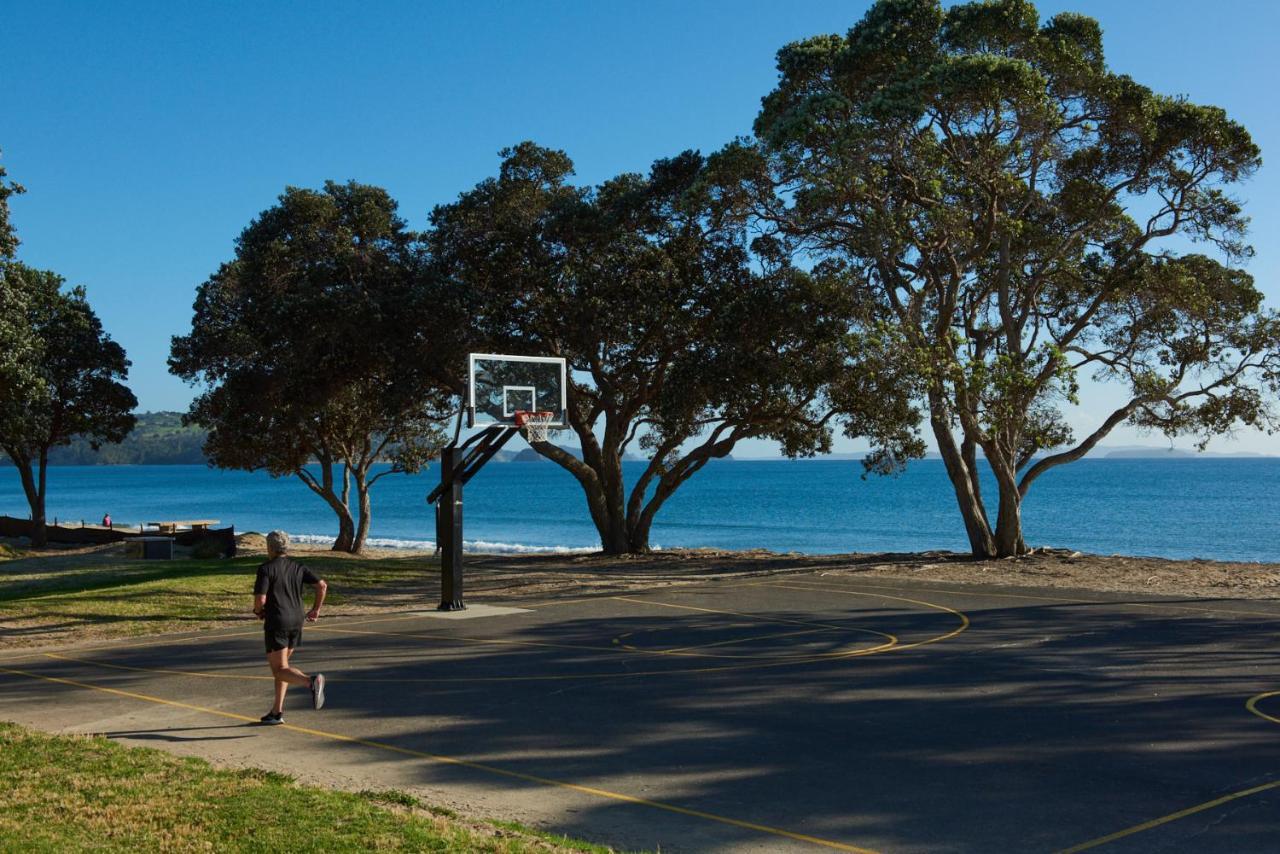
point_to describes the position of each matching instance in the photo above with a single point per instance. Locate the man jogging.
(277, 600)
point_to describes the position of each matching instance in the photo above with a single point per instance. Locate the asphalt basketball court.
(797, 711)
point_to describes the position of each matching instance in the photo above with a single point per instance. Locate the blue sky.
(149, 134)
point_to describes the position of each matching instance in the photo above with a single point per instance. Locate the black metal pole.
(449, 532)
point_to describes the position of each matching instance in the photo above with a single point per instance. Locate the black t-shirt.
(281, 580)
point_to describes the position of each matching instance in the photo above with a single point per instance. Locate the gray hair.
(278, 543)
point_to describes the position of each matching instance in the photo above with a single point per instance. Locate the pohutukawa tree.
(1020, 215)
(18, 348)
(678, 345)
(63, 384)
(310, 361)
(8, 238)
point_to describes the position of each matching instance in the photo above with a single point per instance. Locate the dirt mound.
(251, 542)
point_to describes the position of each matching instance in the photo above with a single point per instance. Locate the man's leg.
(285, 675)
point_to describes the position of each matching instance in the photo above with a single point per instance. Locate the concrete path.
(766, 714)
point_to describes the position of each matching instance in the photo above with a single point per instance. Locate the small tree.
(69, 383)
(1017, 213)
(677, 346)
(306, 349)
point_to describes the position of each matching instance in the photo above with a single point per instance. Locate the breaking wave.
(471, 546)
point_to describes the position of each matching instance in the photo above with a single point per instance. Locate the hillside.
(158, 439)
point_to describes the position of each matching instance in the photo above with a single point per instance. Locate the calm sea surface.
(1227, 509)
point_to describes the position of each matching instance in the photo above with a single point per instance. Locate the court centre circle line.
(467, 763)
(892, 645)
(1252, 705)
(975, 591)
(964, 620)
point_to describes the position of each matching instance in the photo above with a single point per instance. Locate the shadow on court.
(898, 718)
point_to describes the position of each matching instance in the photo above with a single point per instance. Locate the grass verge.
(106, 595)
(75, 793)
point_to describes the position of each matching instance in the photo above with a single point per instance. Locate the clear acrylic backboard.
(499, 386)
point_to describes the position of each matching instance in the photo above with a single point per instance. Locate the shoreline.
(1044, 568)
(387, 582)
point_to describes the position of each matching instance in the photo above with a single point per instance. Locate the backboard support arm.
(458, 464)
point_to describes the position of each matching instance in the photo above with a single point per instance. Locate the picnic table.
(171, 526)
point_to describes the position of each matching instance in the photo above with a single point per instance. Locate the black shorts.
(278, 639)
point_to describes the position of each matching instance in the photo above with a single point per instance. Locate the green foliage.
(677, 343)
(1012, 210)
(8, 238)
(19, 349)
(69, 380)
(308, 346)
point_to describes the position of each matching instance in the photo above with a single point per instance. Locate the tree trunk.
(346, 531)
(638, 536)
(366, 513)
(34, 493)
(611, 523)
(1008, 533)
(607, 516)
(981, 541)
(35, 498)
(324, 488)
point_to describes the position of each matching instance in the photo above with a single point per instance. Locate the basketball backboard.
(499, 386)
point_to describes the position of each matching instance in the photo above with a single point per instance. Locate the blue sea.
(1224, 509)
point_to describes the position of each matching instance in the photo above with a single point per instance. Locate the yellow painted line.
(757, 665)
(756, 617)
(202, 674)
(753, 638)
(964, 620)
(689, 652)
(1252, 705)
(466, 763)
(770, 662)
(973, 591)
(1148, 825)
(170, 638)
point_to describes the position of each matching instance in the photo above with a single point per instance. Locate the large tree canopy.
(1019, 214)
(18, 348)
(677, 344)
(308, 350)
(71, 385)
(8, 238)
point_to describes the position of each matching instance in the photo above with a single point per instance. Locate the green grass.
(72, 793)
(102, 595)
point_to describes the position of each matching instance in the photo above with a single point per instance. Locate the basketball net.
(536, 425)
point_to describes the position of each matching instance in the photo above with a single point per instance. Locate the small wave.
(472, 546)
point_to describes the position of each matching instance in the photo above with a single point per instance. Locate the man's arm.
(321, 588)
(261, 585)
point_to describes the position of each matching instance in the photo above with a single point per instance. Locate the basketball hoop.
(536, 425)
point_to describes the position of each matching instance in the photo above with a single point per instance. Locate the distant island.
(160, 438)
(1102, 452)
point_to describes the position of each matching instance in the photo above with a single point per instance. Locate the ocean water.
(1225, 509)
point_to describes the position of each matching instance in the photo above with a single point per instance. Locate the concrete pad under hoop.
(471, 612)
